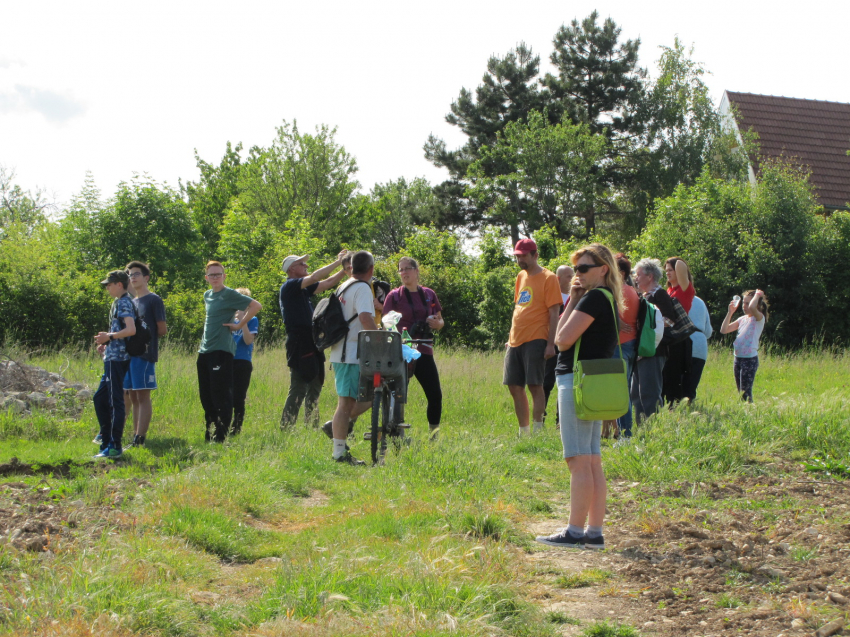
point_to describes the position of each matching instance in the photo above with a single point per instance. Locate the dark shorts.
(525, 365)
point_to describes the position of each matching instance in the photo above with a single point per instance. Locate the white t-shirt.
(355, 300)
(749, 333)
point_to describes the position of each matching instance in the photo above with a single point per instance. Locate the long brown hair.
(601, 255)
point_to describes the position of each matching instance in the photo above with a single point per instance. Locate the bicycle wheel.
(377, 432)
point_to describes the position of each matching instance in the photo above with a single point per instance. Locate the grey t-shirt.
(151, 309)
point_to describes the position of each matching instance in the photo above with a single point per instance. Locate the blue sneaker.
(98, 440)
(562, 539)
(110, 453)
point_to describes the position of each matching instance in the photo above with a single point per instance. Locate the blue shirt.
(244, 352)
(116, 349)
(295, 306)
(699, 317)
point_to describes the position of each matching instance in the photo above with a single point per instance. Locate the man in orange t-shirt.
(537, 299)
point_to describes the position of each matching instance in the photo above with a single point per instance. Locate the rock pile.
(25, 387)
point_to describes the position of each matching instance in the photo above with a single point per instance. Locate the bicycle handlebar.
(419, 341)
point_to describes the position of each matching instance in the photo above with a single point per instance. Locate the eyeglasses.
(215, 275)
(134, 275)
(584, 268)
(403, 270)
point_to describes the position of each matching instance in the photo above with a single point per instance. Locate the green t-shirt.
(221, 306)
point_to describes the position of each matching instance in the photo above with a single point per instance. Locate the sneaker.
(562, 538)
(98, 440)
(110, 453)
(595, 543)
(329, 429)
(349, 459)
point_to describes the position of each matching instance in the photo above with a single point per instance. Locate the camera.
(420, 330)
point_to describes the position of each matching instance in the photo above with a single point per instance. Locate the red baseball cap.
(524, 246)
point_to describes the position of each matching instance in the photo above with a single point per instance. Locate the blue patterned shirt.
(116, 349)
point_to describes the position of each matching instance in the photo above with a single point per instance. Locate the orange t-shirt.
(628, 319)
(533, 296)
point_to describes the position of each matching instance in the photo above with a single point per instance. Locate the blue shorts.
(140, 375)
(579, 437)
(347, 379)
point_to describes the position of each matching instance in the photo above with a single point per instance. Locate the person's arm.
(250, 312)
(436, 323)
(161, 328)
(682, 275)
(576, 293)
(728, 326)
(103, 338)
(367, 320)
(754, 305)
(321, 273)
(328, 283)
(706, 328)
(553, 328)
(572, 329)
(247, 335)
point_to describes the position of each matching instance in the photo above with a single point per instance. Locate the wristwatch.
(111, 336)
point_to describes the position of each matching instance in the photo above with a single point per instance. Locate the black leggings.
(425, 371)
(241, 381)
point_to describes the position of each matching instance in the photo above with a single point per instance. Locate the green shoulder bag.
(600, 386)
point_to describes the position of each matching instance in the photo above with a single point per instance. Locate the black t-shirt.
(660, 299)
(599, 339)
(295, 306)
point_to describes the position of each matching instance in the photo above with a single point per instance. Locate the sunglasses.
(584, 268)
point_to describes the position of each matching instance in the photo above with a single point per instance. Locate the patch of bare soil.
(769, 556)
(40, 519)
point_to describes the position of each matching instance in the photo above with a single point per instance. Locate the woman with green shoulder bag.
(587, 337)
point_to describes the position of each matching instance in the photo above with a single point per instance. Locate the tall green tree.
(210, 196)
(508, 92)
(400, 206)
(548, 177)
(18, 206)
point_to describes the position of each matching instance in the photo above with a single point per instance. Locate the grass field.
(265, 535)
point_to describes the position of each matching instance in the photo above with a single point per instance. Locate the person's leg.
(311, 406)
(221, 386)
(596, 513)
(672, 374)
(693, 378)
(538, 402)
(549, 383)
(347, 382)
(130, 406)
(241, 380)
(142, 411)
(297, 392)
(102, 407)
(429, 379)
(581, 489)
(749, 367)
(115, 371)
(520, 405)
(653, 379)
(737, 368)
(204, 366)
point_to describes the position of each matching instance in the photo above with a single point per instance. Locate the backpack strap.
(348, 322)
(422, 297)
(616, 333)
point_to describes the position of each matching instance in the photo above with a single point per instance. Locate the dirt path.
(770, 557)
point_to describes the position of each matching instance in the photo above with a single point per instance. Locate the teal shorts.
(347, 379)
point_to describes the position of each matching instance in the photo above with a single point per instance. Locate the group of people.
(596, 316)
(224, 363)
(586, 311)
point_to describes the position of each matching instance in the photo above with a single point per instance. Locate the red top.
(628, 319)
(686, 297)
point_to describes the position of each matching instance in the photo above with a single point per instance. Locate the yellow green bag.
(600, 385)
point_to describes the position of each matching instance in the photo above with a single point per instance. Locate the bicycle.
(381, 360)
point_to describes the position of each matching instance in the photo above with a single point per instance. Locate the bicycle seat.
(380, 352)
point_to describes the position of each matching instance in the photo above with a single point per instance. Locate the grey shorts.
(579, 437)
(525, 365)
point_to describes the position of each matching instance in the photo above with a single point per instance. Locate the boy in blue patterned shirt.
(109, 397)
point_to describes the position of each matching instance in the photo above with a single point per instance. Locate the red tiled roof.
(815, 132)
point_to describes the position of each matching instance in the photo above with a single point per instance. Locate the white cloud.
(53, 106)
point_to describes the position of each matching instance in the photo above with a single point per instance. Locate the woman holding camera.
(421, 315)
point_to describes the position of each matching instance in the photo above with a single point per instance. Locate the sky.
(114, 88)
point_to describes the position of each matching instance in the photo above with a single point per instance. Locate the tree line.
(597, 150)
